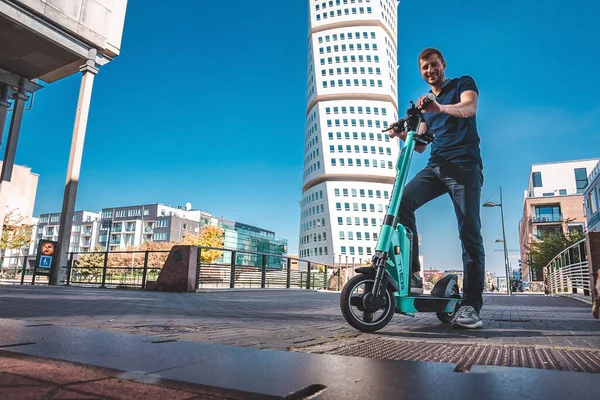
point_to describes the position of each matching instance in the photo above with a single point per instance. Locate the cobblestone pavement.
(294, 319)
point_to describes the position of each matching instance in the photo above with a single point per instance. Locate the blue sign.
(45, 261)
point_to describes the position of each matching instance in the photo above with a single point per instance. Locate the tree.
(15, 234)
(158, 252)
(209, 236)
(542, 252)
(90, 264)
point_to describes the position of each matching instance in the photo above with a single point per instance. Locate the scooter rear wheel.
(448, 317)
(353, 310)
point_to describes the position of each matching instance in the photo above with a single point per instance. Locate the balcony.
(148, 230)
(540, 219)
(553, 192)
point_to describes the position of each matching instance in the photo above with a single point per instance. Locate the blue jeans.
(463, 184)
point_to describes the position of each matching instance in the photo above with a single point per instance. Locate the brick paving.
(294, 319)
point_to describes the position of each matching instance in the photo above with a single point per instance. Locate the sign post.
(46, 258)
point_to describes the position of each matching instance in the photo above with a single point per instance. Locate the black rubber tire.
(447, 318)
(346, 307)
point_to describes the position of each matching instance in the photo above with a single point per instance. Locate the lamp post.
(492, 204)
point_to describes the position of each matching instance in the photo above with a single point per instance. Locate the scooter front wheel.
(354, 310)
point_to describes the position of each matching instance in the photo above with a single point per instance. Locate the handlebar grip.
(430, 97)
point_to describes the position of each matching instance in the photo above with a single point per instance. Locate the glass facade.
(244, 237)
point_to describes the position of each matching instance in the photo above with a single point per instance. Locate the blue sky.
(206, 104)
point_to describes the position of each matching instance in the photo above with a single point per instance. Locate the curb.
(581, 298)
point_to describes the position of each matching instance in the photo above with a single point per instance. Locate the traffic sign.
(45, 262)
(47, 248)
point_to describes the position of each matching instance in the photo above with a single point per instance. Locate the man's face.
(433, 70)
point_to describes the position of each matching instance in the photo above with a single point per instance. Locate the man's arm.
(422, 129)
(465, 109)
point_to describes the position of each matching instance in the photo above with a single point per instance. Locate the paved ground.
(33, 378)
(294, 320)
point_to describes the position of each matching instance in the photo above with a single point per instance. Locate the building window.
(548, 214)
(161, 223)
(581, 179)
(537, 179)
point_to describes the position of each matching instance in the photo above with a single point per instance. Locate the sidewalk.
(25, 377)
(48, 362)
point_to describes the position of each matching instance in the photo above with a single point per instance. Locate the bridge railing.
(569, 271)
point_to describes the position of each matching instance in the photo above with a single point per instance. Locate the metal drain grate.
(467, 355)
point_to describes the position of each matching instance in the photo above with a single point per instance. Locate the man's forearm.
(460, 110)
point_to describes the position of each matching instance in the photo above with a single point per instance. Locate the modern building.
(125, 226)
(121, 227)
(84, 231)
(21, 191)
(554, 200)
(349, 164)
(249, 239)
(134, 225)
(591, 197)
(19, 201)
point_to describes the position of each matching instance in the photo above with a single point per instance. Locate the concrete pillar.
(88, 71)
(4, 105)
(20, 98)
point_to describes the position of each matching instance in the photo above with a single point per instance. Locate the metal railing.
(18, 269)
(537, 219)
(569, 271)
(134, 269)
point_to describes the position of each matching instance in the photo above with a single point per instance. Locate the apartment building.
(84, 231)
(125, 226)
(591, 197)
(351, 96)
(553, 201)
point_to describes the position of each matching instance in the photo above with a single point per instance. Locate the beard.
(436, 79)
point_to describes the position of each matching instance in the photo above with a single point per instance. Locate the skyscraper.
(349, 164)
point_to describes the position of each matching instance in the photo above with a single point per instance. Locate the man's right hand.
(397, 131)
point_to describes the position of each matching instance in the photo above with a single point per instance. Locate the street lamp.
(492, 204)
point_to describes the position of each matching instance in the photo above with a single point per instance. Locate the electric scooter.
(370, 299)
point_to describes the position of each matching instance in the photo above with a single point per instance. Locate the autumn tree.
(209, 236)
(15, 234)
(158, 252)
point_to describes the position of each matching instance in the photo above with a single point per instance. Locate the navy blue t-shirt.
(456, 139)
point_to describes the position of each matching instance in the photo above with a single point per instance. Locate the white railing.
(569, 271)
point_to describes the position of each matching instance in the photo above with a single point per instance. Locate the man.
(455, 167)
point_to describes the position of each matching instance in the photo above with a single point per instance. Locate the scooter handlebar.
(430, 97)
(399, 125)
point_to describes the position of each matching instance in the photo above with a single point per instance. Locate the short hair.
(426, 53)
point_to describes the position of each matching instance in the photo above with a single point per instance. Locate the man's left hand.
(434, 106)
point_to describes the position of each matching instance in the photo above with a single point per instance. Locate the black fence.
(134, 269)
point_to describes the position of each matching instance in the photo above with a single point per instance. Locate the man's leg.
(424, 187)
(465, 190)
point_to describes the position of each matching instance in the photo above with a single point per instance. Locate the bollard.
(69, 269)
(145, 270)
(23, 271)
(263, 278)
(232, 273)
